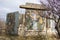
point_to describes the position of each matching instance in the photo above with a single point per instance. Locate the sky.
(7, 6)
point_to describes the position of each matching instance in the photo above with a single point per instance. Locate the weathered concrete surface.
(34, 6)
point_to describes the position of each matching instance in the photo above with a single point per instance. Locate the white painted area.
(35, 25)
(52, 30)
(34, 21)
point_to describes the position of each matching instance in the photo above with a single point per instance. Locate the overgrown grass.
(39, 37)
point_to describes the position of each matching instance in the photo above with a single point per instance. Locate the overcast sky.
(7, 6)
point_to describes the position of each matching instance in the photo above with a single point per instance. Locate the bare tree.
(2, 27)
(54, 5)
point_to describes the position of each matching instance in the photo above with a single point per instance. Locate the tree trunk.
(58, 26)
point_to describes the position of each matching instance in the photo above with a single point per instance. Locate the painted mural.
(34, 20)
